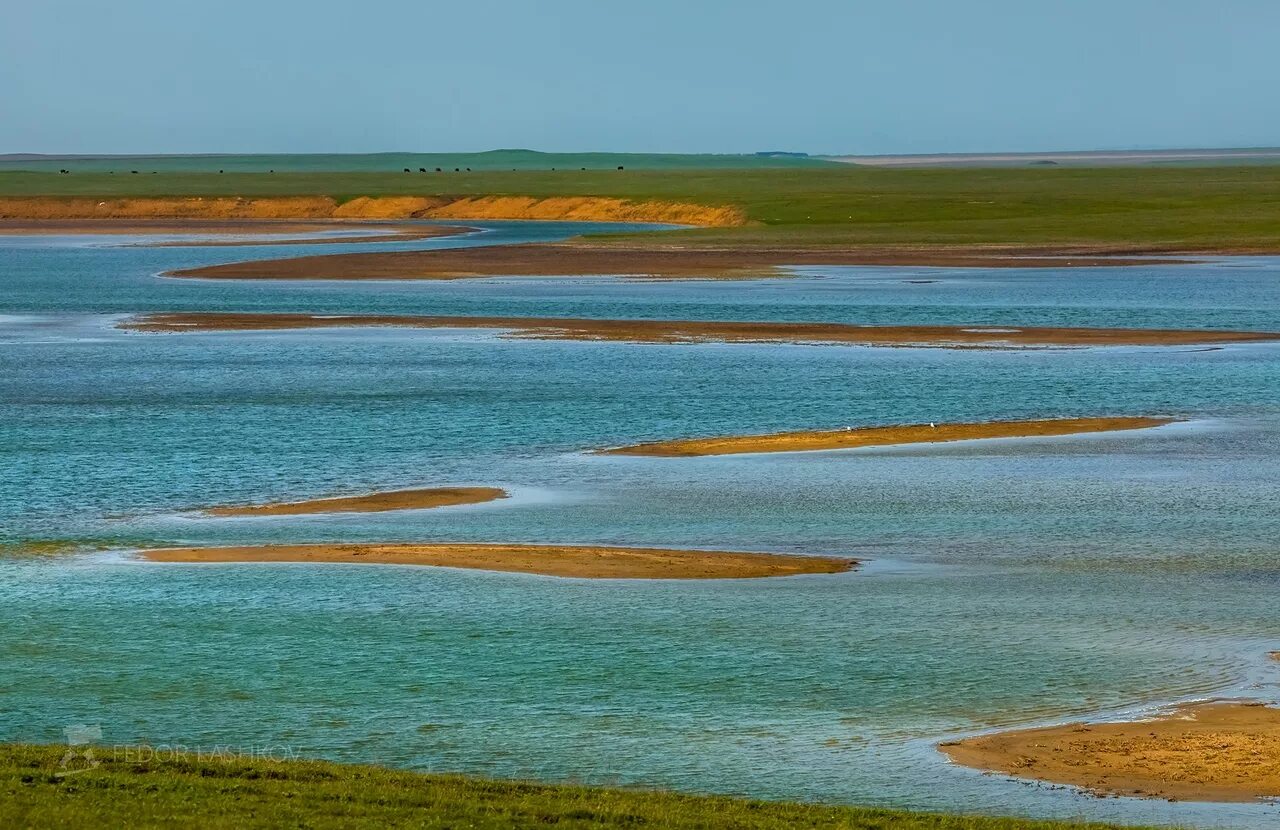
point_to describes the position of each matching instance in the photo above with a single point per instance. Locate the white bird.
(932, 424)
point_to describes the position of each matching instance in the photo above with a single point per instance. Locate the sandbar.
(574, 259)
(1221, 751)
(579, 561)
(850, 438)
(690, 331)
(371, 503)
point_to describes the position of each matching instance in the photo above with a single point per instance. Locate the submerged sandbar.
(1223, 751)
(577, 259)
(695, 331)
(851, 438)
(580, 561)
(370, 503)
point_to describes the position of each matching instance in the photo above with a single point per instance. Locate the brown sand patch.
(581, 561)
(572, 259)
(689, 331)
(1225, 751)
(371, 503)
(584, 208)
(809, 440)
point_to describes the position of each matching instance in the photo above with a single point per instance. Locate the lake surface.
(1005, 582)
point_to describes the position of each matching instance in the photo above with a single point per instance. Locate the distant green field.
(129, 790)
(1155, 207)
(507, 160)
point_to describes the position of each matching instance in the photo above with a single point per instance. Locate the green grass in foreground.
(132, 789)
(1208, 207)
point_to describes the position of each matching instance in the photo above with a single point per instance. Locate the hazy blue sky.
(665, 75)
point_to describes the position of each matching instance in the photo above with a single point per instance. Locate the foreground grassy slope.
(237, 792)
(1224, 208)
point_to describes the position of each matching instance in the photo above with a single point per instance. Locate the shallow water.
(1006, 581)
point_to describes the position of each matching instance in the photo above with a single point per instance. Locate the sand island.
(1221, 751)
(691, 331)
(419, 499)
(580, 561)
(854, 437)
(578, 259)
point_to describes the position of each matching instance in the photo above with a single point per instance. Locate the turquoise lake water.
(1005, 582)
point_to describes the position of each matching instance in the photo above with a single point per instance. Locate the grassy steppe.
(1214, 208)
(237, 792)
(395, 162)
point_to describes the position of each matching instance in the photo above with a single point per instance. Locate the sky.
(821, 76)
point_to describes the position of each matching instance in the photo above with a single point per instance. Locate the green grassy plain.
(132, 789)
(1160, 208)
(395, 162)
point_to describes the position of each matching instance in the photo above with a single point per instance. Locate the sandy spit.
(371, 503)
(850, 438)
(1221, 751)
(688, 331)
(576, 259)
(581, 561)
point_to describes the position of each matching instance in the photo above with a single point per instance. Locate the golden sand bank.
(370, 503)
(576, 208)
(687, 331)
(1224, 751)
(581, 561)
(165, 226)
(850, 438)
(246, 231)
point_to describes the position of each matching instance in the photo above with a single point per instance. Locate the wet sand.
(1223, 751)
(545, 260)
(687, 331)
(580, 561)
(880, 436)
(370, 503)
